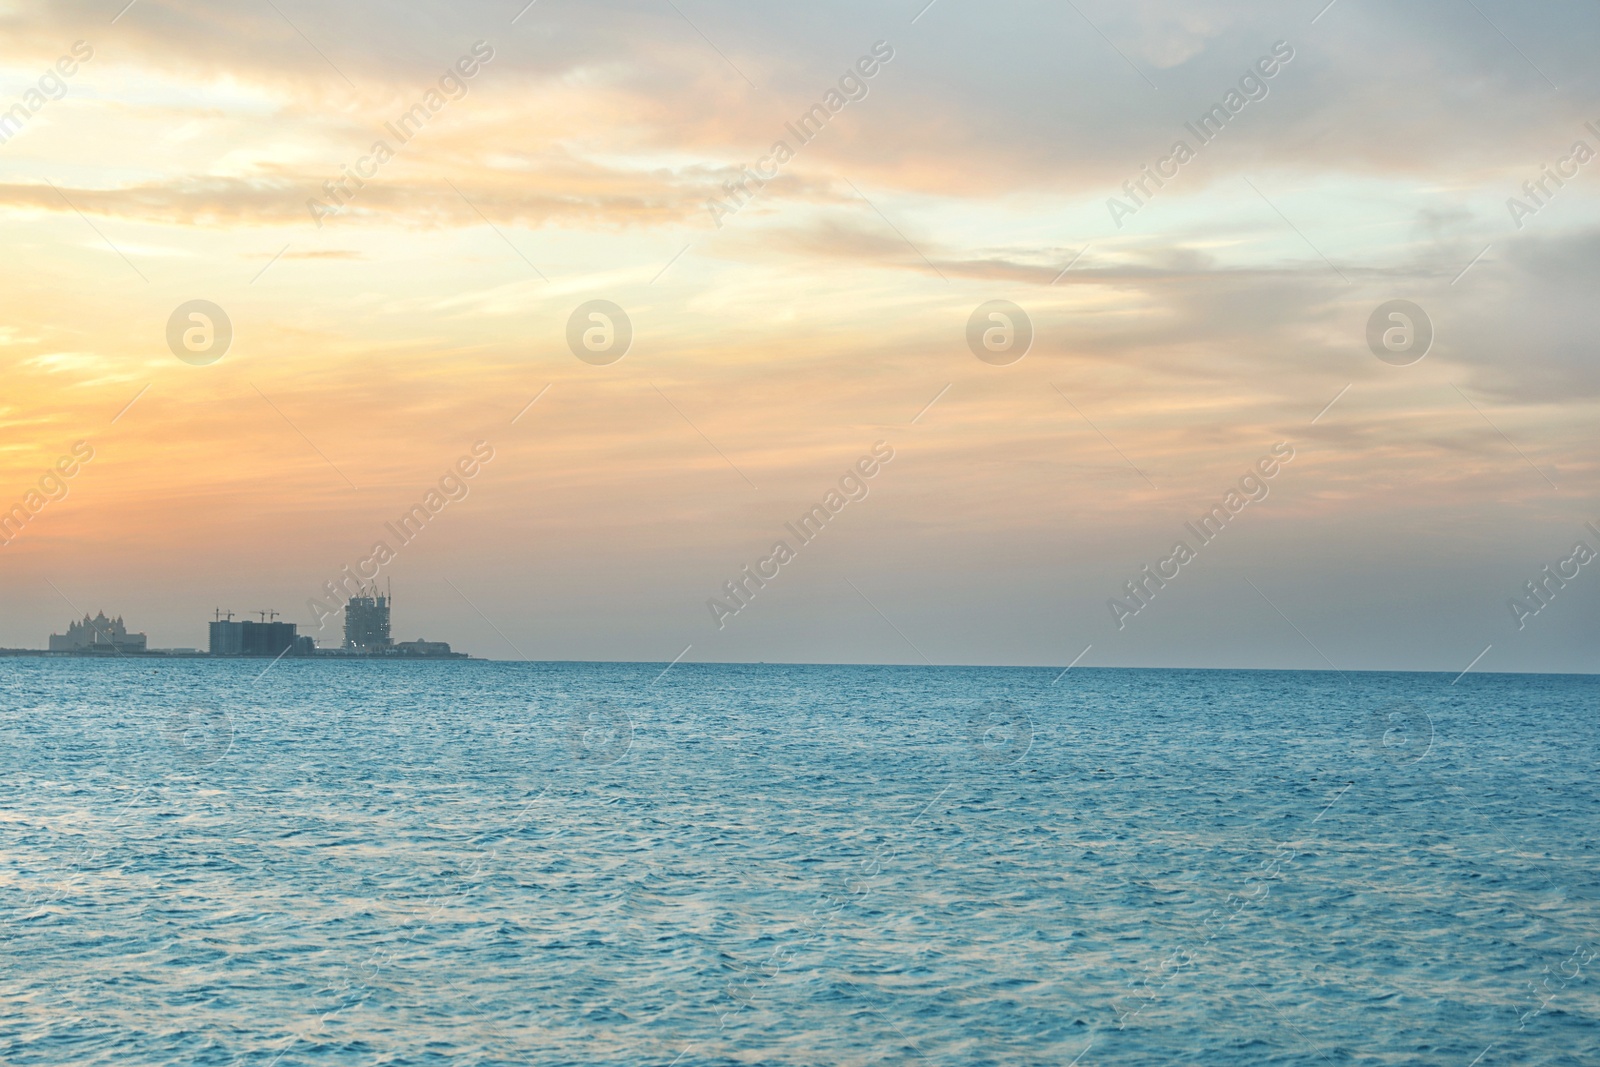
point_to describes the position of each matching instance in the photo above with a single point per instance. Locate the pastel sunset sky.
(1177, 340)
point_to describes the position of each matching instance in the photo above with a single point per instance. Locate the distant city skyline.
(564, 356)
(367, 632)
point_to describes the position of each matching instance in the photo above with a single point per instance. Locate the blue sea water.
(494, 863)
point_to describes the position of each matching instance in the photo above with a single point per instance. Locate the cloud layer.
(580, 161)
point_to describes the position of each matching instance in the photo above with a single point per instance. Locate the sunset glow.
(399, 215)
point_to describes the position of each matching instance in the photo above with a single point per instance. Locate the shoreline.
(461, 657)
(43, 653)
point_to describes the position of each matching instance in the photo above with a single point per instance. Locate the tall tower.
(366, 623)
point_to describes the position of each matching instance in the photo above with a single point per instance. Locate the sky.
(1179, 338)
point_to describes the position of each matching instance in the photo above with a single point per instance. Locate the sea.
(380, 863)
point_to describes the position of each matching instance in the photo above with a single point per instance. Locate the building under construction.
(366, 624)
(264, 638)
(366, 633)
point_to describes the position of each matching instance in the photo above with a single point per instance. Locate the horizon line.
(11, 653)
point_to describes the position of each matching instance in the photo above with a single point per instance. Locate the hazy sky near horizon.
(1176, 340)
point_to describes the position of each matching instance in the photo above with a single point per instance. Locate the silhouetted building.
(428, 650)
(366, 624)
(246, 638)
(227, 638)
(98, 634)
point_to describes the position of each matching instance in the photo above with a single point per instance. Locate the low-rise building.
(428, 649)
